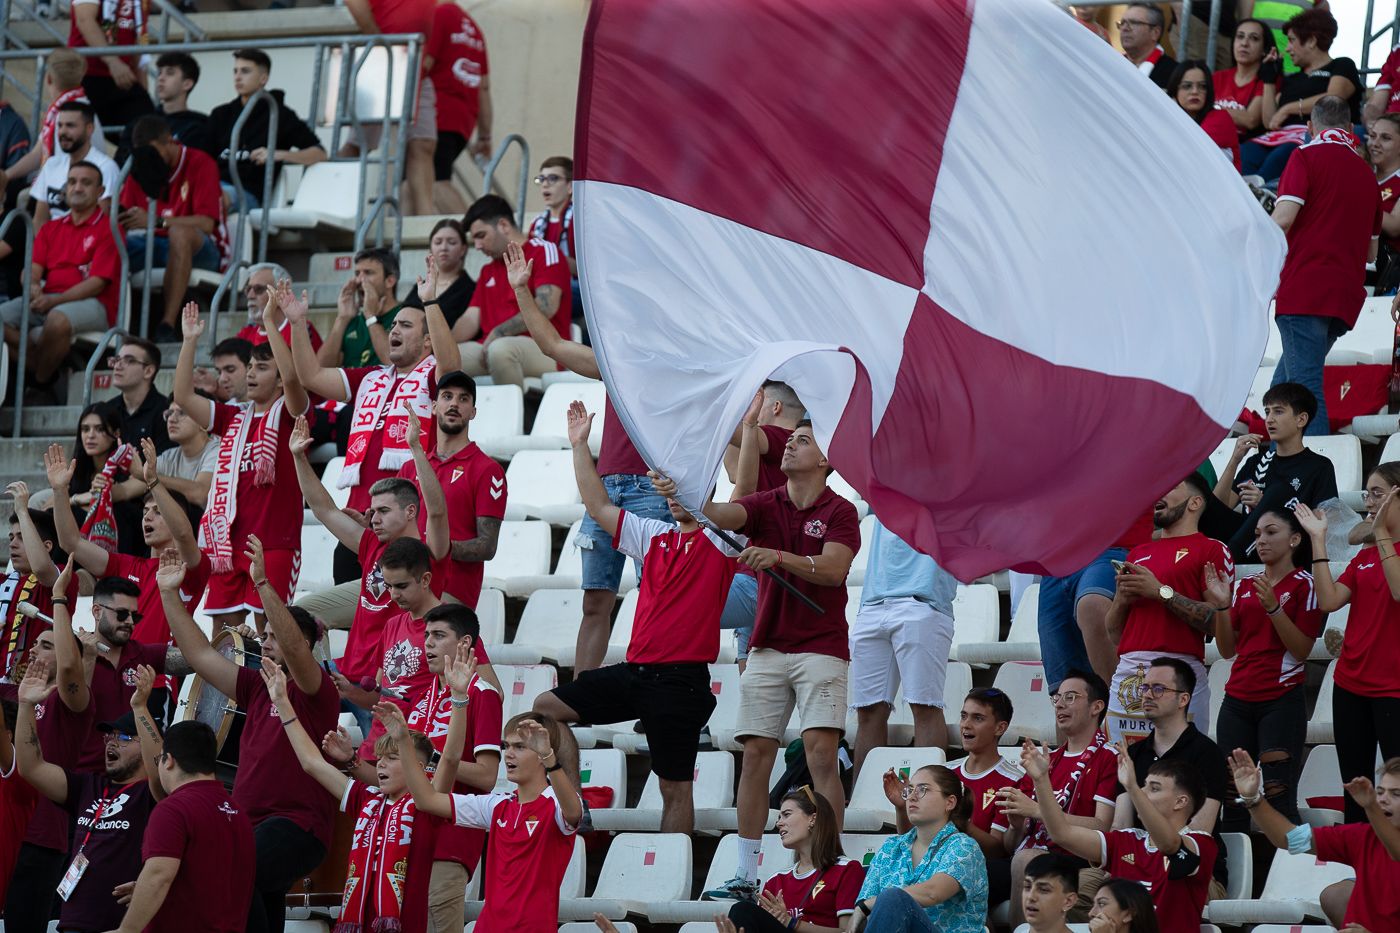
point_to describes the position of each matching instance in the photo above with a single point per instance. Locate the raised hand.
(35, 685)
(1386, 512)
(1217, 587)
(580, 423)
(415, 427)
(65, 576)
(337, 746)
(394, 724)
(894, 787)
(428, 287)
(518, 268)
(257, 563)
(1314, 523)
(58, 467)
(1034, 760)
(665, 486)
(276, 680)
(145, 679)
(458, 672)
(170, 573)
(536, 738)
(373, 301)
(191, 326)
(1127, 773)
(1247, 444)
(1362, 791)
(1248, 776)
(293, 307)
(19, 491)
(300, 440)
(755, 409)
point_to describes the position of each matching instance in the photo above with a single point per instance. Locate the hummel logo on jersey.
(497, 487)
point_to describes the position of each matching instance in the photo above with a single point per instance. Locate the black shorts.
(450, 145)
(673, 701)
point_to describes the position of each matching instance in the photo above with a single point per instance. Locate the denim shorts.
(206, 257)
(602, 566)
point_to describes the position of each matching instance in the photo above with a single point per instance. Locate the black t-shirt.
(113, 849)
(147, 421)
(454, 301)
(1302, 85)
(1162, 71)
(1198, 749)
(292, 133)
(1305, 477)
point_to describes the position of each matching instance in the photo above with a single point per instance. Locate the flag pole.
(785, 584)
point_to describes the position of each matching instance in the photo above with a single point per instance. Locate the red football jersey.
(1389, 83)
(982, 789)
(193, 191)
(496, 299)
(822, 898)
(1370, 661)
(475, 487)
(1390, 193)
(458, 51)
(1180, 564)
(123, 22)
(71, 253)
(1263, 668)
(1081, 783)
(529, 847)
(1130, 854)
(1230, 95)
(1375, 902)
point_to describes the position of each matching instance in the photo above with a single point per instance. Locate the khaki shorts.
(774, 684)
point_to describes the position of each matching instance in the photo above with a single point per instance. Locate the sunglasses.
(122, 614)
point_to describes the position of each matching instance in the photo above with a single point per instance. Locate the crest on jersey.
(530, 825)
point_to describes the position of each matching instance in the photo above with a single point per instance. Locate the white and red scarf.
(100, 527)
(1150, 62)
(216, 528)
(377, 879)
(1036, 835)
(540, 227)
(379, 402)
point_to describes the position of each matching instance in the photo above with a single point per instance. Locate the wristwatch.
(1166, 593)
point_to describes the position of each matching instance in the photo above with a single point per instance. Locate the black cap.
(125, 724)
(459, 379)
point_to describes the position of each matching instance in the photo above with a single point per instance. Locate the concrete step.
(42, 420)
(22, 458)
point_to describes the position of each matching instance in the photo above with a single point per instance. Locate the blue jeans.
(895, 911)
(1306, 340)
(1061, 642)
(602, 566)
(1265, 161)
(206, 257)
(251, 199)
(739, 611)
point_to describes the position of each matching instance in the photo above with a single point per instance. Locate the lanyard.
(101, 808)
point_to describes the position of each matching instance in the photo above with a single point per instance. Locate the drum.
(207, 704)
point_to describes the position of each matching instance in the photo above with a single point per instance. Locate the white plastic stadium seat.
(491, 613)
(522, 550)
(326, 197)
(330, 476)
(317, 558)
(861, 847)
(522, 683)
(713, 790)
(1022, 641)
(976, 616)
(869, 810)
(541, 486)
(1290, 894)
(640, 868)
(772, 858)
(500, 412)
(1320, 726)
(1344, 450)
(1321, 777)
(549, 431)
(1034, 716)
(548, 629)
(604, 767)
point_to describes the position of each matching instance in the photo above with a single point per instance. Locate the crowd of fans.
(113, 803)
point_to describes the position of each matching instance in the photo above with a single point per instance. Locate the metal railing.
(488, 173)
(1368, 37)
(23, 217)
(1187, 22)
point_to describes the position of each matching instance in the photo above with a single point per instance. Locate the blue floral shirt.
(951, 853)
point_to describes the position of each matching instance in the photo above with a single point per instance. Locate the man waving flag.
(926, 218)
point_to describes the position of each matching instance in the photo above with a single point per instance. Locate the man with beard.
(74, 131)
(474, 486)
(111, 805)
(292, 819)
(1159, 609)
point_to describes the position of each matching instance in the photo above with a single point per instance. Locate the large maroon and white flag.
(1017, 287)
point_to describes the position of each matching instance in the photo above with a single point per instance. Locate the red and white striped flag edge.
(1020, 292)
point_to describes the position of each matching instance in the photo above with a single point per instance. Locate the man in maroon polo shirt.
(1330, 208)
(474, 484)
(292, 818)
(623, 470)
(798, 658)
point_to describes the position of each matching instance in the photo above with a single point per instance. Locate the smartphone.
(1119, 566)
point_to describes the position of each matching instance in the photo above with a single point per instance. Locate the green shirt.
(356, 348)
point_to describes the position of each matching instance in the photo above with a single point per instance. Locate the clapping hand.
(145, 679)
(276, 680)
(170, 573)
(300, 440)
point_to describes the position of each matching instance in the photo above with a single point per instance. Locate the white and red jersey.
(1129, 854)
(430, 715)
(1179, 563)
(1263, 668)
(683, 591)
(272, 513)
(123, 22)
(982, 790)
(529, 847)
(1370, 661)
(1081, 782)
(823, 898)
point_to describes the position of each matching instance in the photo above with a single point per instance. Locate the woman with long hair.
(1246, 92)
(1383, 145)
(1269, 630)
(447, 281)
(1366, 680)
(1122, 906)
(934, 876)
(99, 433)
(818, 892)
(1192, 89)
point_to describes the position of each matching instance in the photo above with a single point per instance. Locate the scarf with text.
(101, 525)
(377, 880)
(216, 528)
(379, 402)
(1067, 794)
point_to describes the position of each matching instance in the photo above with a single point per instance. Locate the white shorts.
(1125, 719)
(900, 639)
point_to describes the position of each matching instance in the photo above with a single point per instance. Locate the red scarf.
(1036, 835)
(101, 525)
(216, 528)
(379, 402)
(377, 881)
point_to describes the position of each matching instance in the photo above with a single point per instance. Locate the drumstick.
(31, 611)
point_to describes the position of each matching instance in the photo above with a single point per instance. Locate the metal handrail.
(193, 32)
(1369, 37)
(488, 173)
(24, 218)
(123, 324)
(389, 182)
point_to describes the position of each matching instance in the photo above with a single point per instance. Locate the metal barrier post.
(1214, 33)
(150, 260)
(24, 296)
(489, 172)
(119, 238)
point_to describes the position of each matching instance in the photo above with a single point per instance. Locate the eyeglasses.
(1194, 85)
(1372, 495)
(549, 179)
(126, 359)
(916, 791)
(1157, 690)
(122, 614)
(1134, 23)
(1068, 698)
(121, 737)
